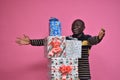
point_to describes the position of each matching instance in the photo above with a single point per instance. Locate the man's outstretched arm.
(96, 39)
(25, 40)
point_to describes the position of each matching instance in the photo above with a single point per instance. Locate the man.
(78, 27)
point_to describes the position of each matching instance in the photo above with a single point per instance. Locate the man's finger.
(17, 41)
(25, 36)
(103, 29)
(19, 38)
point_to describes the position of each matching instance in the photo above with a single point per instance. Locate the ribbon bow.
(65, 70)
(56, 49)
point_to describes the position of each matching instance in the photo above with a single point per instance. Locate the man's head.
(78, 26)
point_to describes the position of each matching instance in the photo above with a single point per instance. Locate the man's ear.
(83, 28)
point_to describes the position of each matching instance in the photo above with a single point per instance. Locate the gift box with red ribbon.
(64, 69)
(58, 46)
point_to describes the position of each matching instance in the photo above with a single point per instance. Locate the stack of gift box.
(63, 54)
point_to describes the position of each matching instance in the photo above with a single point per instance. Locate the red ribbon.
(65, 70)
(55, 47)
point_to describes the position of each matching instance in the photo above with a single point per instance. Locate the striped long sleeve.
(94, 40)
(38, 42)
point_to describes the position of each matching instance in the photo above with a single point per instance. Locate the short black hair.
(78, 22)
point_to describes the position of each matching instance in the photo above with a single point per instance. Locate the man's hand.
(25, 40)
(101, 33)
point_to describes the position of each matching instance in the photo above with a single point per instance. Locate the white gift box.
(58, 46)
(55, 65)
(73, 48)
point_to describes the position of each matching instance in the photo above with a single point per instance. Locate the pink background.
(31, 17)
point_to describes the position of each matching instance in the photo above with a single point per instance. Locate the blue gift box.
(54, 27)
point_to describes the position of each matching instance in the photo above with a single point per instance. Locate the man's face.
(77, 29)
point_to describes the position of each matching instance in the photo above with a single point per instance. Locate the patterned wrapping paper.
(73, 48)
(55, 65)
(55, 27)
(56, 46)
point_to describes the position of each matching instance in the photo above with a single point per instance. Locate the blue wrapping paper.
(54, 27)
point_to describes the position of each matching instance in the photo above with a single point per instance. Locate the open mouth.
(75, 31)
